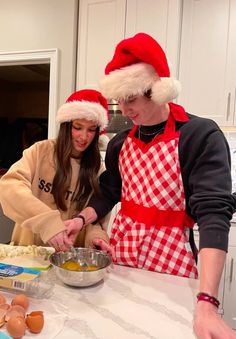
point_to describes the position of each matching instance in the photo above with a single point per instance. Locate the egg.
(35, 321)
(4, 307)
(16, 327)
(3, 311)
(2, 317)
(15, 311)
(22, 300)
(2, 299)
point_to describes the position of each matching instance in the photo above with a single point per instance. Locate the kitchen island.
(128, 304)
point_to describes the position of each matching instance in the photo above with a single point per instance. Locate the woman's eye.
(78, 128)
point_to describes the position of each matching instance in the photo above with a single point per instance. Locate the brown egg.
(2, 299)
(16, 327)
(2, 317)
(3, 311)
(35, 321)
(4, 307)
(22, 300)
(15, 311)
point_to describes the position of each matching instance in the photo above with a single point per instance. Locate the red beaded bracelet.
(201, 296)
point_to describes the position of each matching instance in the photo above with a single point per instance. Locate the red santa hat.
(86, 104)
(139, 64)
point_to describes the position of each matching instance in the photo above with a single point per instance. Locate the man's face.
(140, 110)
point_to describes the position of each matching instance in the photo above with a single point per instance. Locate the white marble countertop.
(128, 304)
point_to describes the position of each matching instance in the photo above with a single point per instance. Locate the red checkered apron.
(151, 229)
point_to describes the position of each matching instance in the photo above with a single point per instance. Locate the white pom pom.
(165, 90)
(103, 141)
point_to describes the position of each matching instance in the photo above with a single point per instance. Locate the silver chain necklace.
(150, 134)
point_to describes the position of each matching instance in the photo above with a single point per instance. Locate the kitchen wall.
(28, 25)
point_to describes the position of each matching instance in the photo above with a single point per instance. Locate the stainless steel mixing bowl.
(84, 256)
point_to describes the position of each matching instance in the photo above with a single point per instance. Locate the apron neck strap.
(177, 113)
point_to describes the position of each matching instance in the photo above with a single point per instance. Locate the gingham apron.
(151, 229)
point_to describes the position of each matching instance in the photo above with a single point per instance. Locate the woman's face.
(82, 132)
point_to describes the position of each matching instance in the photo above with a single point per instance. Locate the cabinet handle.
(228, 106)
(231, 270)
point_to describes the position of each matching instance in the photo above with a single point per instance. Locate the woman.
(55, 178)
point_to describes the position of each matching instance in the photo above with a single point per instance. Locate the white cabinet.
(113, 214)
(101, 26)
(229, 298)
(103, 23)
(159, 18)
(207, 59)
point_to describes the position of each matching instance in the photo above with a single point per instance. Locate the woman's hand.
(60, 241)
(73, 226)
(209, 325)
(104, 246)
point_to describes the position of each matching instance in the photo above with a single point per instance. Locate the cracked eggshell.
(15, 311)
(35, 321)
(2, 299)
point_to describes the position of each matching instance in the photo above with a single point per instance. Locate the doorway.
(28, 96)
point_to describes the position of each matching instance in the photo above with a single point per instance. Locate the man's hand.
(209, 325)
(104, 246)
(73, 226)
(60, 241)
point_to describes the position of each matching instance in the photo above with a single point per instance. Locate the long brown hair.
(87, 176)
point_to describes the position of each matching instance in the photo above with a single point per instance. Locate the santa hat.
(139, 64)
(86, 104)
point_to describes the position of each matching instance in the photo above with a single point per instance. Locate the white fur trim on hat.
(136, 79)
(83, 110)
(103, 141)
(165, 90)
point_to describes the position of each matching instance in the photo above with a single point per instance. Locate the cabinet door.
(160, 19)
(207, 59)
(232, 56)
(230, 288)
(101, 26)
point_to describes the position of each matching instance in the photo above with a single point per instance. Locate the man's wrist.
(202, 296)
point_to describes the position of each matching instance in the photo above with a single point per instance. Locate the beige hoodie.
(25, 196)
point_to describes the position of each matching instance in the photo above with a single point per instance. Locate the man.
(170, 171)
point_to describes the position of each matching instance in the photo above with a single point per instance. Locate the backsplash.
(231, 137)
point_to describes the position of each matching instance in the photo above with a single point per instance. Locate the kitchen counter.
(128, 304)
